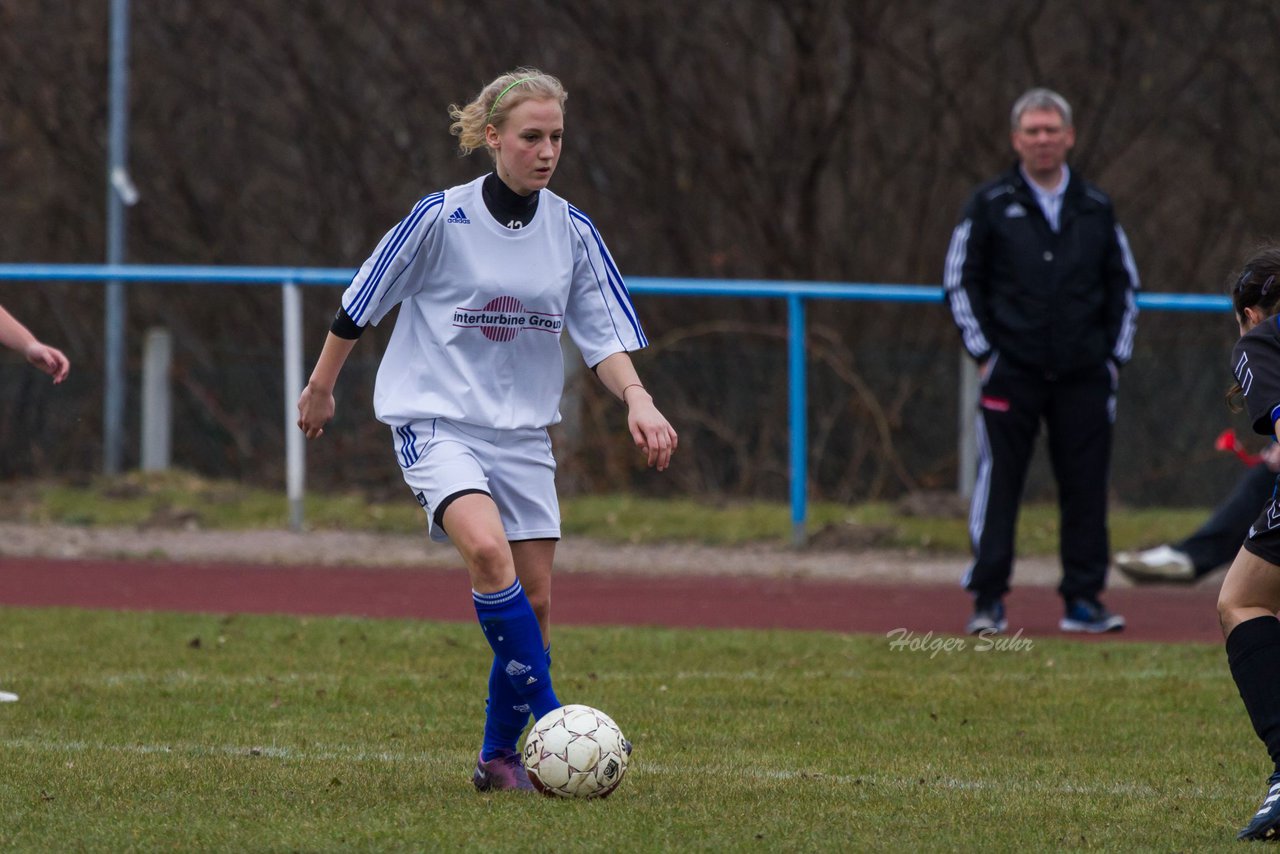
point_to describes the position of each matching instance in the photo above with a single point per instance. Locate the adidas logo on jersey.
(515, 668)
(459, 216)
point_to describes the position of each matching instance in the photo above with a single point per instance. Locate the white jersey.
(478, 336)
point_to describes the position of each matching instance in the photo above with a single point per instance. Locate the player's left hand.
(652, 433)
(1271, 456)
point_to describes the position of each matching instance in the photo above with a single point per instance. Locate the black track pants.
(1078, 412)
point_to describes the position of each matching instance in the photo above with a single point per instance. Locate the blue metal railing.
(759, 288)
(794, 293)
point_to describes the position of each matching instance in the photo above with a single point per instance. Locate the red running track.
(1153, 613)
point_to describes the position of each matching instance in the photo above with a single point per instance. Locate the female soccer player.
(490, 273)
(51, 360)
(1250, 595)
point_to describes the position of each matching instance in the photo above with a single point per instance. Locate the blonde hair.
(496, 101)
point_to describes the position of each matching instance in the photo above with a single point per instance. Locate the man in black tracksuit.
(1041, 282)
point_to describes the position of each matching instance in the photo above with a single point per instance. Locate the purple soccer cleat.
(503, 772)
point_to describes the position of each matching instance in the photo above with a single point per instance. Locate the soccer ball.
(576, 752)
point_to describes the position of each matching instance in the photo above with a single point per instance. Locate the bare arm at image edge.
(17, 337)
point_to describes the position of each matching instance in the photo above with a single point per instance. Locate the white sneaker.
(6, 697)
(1163, 563)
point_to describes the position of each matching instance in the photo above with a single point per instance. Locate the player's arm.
(650, 430)
(381, 282)
(315, 406)
(15, 336)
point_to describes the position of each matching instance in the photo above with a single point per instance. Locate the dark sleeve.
(1122, 295)
(1256, 365)
(344, 327)
(965, 278)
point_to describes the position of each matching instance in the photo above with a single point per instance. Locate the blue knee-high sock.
(512, 631)
(506, 714)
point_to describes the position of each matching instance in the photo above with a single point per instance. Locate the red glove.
(1227, 441)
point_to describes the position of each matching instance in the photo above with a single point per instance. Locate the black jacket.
(1053, 303)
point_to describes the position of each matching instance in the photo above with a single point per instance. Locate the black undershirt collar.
(506, 205)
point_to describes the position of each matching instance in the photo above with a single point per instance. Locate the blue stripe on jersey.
(614, 278)
(370, 284)
(389, 252)
(398, 236)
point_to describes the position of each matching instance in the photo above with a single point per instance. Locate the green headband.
(503, 92)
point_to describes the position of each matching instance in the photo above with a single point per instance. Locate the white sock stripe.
(501, 597)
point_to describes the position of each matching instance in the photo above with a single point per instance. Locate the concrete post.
(157, 408)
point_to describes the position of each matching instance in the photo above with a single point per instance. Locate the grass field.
(168, 731)
(180, 498)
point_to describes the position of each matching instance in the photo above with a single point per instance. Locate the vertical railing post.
(797, 417)
(294, 441)
(120, 192)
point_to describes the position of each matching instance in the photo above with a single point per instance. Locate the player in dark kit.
(1250, 595)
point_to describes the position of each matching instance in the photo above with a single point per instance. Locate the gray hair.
(1040, 99)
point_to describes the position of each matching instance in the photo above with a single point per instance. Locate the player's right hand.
(51, 360)
(315, 408)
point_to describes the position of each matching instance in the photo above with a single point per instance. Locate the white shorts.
(440, 459)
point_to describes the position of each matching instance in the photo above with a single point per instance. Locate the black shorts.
(1264, 537)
